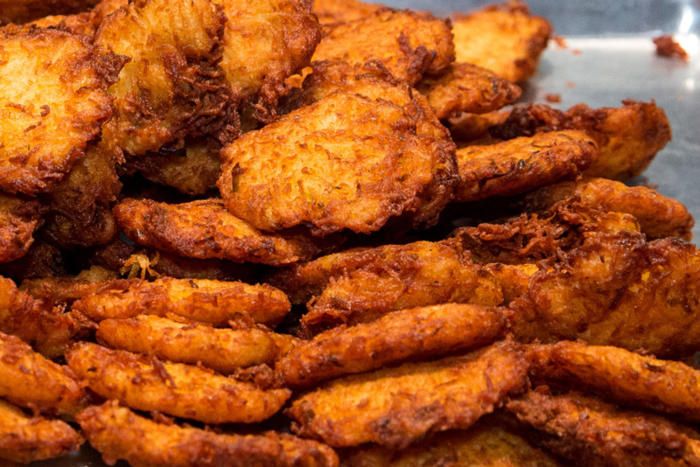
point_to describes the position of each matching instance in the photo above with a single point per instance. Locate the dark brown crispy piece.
(666, 46)
(207, 301)
(26, 439)
(21, 11)
(408, 44)
(399, 336)
(41, 260)
(395, 407)
(587, 431)
(520, 165)
(223, 350)
(627, 377)
(505, 39)
(52, 105)
(350, 161)
(171, 87)
(467, 88)
(617, 289)
(395, 277)
(186, 391)
(628, 137)
(30, 380)
(659, 216)
(330, 12)
(64, 290)
(119, 434)
(19, 219)
(206, 230)
(487, 444)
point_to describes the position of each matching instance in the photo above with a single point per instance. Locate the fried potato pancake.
(467, 88)
(351, 161)
(628, 137)
(186, 391)
(21, 11)
(265, 42)
(53, 105)
(207, 301)
(627, 377)
(486, 444)
(408, 44)
(64, 290)
(41, 260)
(617, 290)
(19, 219)
(588, 431)
(49, 330)
(119, 434)
(223, 350)
(505, 39)
(330, 12)
(30, 380)
(204, 229)
(26, 439)
(522, 164)
(659, 216)
(193, 170)
(171, 86)
(399, 277)
(399, 336)
(394, 407)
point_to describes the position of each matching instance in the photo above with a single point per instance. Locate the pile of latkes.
(265, 232)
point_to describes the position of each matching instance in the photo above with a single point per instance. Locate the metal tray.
(609, 57)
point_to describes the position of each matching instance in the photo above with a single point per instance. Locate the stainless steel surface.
(609, 57)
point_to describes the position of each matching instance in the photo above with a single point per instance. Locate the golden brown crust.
(394, 407)
(223, 350)
(505, 39)
(625, 376)
(658, 215)
(21, 11)
(522, 164)
(26, 439)
(397, 277)
(64, 290)
(206, 230)
(19, 219)
(145, 383)
(467, 88)
(330, 12)
(207, 301)
(30, 380)
(585, 430)
(119, 434)
(406, 43)
(396, 337)
(68, 98)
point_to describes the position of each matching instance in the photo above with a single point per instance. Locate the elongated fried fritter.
(26, 439)
(185, 391)
(487, 444)
(408, 44)
(64, 290)
(505, 39)
(402, 335)
(206, 230)
(397, 277)
(394, 407)
(522, 164)
(265, 42)
(19, 219)
(52, 104)
(587, 431)
(32, 381)
(223, 350)
(208, 301)
(617, 290)
(658, 215)
(352, 160)
(627, 377)
(628, 137)
(21, 11)
(49, 330)
(171, 87)
(118, 433)
(467, 88)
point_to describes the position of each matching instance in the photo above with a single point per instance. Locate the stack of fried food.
(267, 232)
